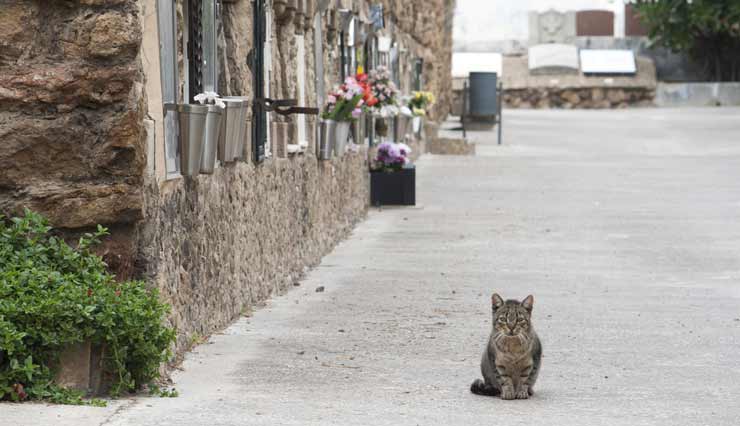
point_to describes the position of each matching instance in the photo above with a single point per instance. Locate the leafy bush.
(709, 30)
(53, 295)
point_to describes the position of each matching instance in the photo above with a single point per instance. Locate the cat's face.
(511, 317)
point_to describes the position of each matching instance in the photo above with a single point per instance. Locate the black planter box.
(393, 188)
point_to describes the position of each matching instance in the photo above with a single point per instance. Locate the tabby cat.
(512, 357)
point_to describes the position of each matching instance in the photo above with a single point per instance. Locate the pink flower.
(356, 113)
(332, 99)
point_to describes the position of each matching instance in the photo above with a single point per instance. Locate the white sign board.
(463, 63)
(597, 61)
(553, 58)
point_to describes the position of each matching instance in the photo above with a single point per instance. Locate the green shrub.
(53, 295)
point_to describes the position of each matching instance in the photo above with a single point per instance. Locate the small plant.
(345, 103)
(420, 102)
(155, 390)
(391, 156)
(53, 295)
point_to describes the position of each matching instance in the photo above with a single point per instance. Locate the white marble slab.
(553, 58)
(597, 61)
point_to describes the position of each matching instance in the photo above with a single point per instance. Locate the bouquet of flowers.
(384, 90)
(345, 103)
(391, 156)
(420, 102)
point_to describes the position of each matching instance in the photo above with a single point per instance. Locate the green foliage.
(709, 30)
(53, 295)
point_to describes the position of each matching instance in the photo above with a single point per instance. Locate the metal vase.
(416, 123)
(327, 136)
(342, 134)
(214, 117)
(231, 127)
(358, 131)
(381, 127)
(192, 126)
(247, 148)
(402, 127)
(244, 133)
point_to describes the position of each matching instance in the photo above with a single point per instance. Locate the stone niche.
(595, 23)
(552, 27)
(553, 59)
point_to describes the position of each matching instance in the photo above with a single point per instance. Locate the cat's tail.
(479, 387)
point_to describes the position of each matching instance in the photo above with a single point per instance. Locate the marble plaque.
(604, 62)
(553, 58)
(595, 23)
(551, 27)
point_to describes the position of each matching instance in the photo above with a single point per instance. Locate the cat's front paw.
(507, 393)
(522, 394)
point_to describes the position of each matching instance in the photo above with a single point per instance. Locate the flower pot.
(402, 127)
(393, 188)
(247, 148)
(192, 125)
(416, 123)
(211, 138)
(244, 133)
(358, 131)
(342, 134)
(232, 127)
(381, 127)
(327, 135)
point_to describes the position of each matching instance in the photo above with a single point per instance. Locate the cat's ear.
(496, 301)
(528, 303)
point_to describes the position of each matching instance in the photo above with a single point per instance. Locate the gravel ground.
(623, 224)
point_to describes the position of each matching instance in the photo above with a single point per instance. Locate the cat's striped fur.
(511, 361)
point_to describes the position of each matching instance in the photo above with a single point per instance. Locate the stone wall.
(79, 86)
(587, 98)
(570, 90)
(71, 110)
(430, 24)
(216, 245)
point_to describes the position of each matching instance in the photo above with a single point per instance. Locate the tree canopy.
(708, 30)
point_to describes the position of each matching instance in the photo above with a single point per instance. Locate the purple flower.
(356, 113)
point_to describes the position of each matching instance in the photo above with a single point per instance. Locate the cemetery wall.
(576, 90)
(83, 137)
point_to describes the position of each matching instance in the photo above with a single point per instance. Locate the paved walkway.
(625, 225)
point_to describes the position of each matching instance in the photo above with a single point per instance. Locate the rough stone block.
(449, 146)
(74, 367)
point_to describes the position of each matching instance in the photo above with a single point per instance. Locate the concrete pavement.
(625, 225)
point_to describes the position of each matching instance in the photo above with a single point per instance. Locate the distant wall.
(697, 94)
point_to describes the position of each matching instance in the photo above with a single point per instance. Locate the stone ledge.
(450, 146)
